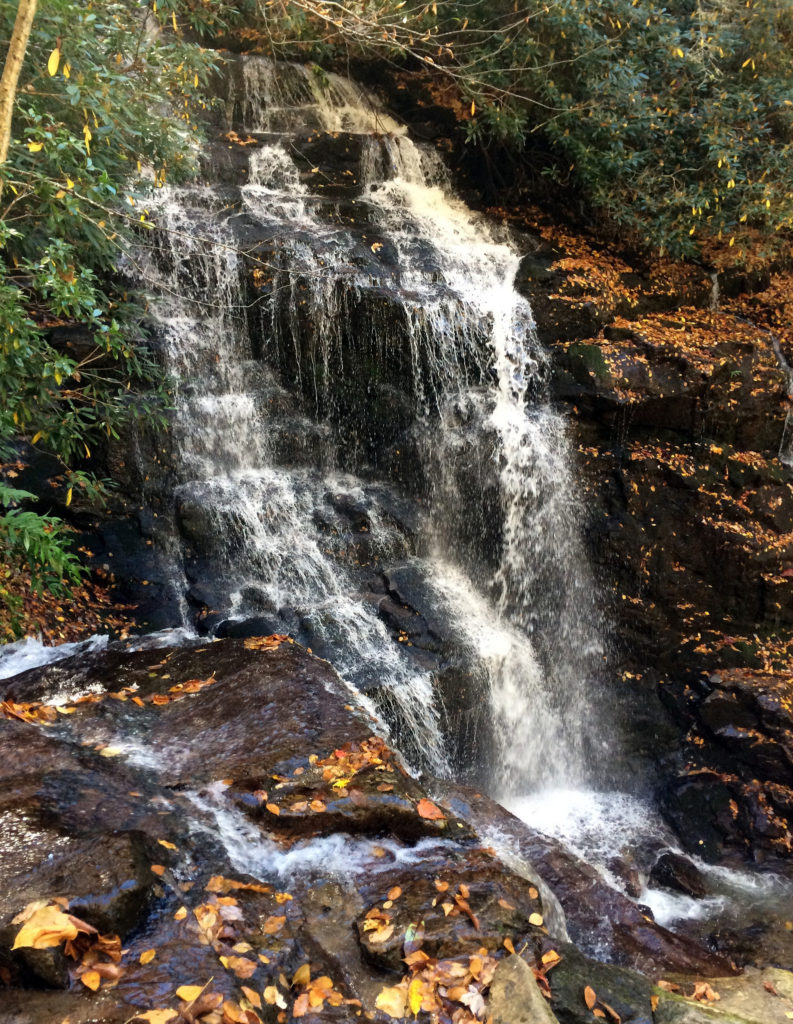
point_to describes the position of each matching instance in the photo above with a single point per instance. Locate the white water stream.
(532, 624)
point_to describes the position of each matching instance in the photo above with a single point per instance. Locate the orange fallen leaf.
(394, 893)
(167, 845)
(158, 869)
(147, 956)
(253, 996)
(301, 1007)
(49, 926)
(590, 997)
(508, 945)
(427, 809)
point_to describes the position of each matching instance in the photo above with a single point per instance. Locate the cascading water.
(283, 306)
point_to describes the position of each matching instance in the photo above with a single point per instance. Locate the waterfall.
(339, 342)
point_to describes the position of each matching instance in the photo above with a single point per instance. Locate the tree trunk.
(13, 65)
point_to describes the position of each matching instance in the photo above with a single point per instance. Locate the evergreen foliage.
(106, 109)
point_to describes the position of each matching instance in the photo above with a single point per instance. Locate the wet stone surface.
(226, 811)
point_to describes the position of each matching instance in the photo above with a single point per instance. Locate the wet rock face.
(737, 793)
(116, 805)
(227, 813)
(602, 922)
(679, 406)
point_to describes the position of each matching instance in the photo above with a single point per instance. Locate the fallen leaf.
(415, 995)
(381, 935)
(49, 926)
(508, 945)
(91, 979)
(242, 967)
(394, 893)
(273, 925)
(273, 997)
(180, 914)
(590, 997)
(189, 993)
(158, 869)
(302, 975)
(414, 936)
(704, 993)
(273, 808)
(536, 920)
(157, 1016)
(392, 1001)
(253, 996)
(427, 809)
(167, 845)
(147, 956)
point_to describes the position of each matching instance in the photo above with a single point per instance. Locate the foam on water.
(338, 856)
(30, 653)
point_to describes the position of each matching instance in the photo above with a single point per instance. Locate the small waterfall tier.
(361, 452)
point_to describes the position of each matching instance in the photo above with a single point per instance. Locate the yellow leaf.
(173, 20)
(60, 194)
(54, 61)
(189, 992)
(47, 926)
(67, 70)
(87, 136)
(195, 81)
(34, 147)
(167, 845)
(147, 956)
(156, 1016)
(36, 437)
(415, 993)
(58, 377)
(473, 108)
(108, 751)
(180, 914)
(536, 920)
(69, 183)
(91, 979)
(392, 1001)
(302, 975)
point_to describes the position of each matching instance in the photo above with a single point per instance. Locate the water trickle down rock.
(337, 322)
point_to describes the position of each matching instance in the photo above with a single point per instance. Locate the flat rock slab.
(757, 997)
(227, 813)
